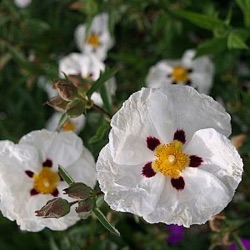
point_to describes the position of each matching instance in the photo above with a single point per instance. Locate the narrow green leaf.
(63, 119)
(102, 131)
(201, 20)
(238, 242)
(101, 80)
(106, 97)
(101, 217)
(65, 175)
(212, 46)
(236, 40)
(245, 8)
(100, 200)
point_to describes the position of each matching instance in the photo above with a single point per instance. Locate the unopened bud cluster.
(72, 97)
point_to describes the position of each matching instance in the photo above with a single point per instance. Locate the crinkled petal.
(182, 107)
(125, 188)
(203, 196)
(131, 126)
(63, 148)
(219, 156)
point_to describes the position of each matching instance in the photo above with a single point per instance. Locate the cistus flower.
(168, 158)
(29, 176)
(72, 124)
(176, 234)
(97, 39)
(195, 72)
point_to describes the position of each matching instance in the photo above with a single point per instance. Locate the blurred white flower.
(22, 3)
(195, 72)
(168, 158)
(97, 40)
(72, 124)
(29, 176)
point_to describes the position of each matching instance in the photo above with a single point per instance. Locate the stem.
(101, 110)
(238, 242)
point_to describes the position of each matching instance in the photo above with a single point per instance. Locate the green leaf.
(65, 175)
(101, 80)
(63, 119)
(238, 242)
(201, 20)
(245, 8)
(101, 217)
(106, 97)
(212, 46)
(100, 134)
(236, 40)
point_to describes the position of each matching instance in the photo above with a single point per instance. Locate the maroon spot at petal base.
(48, 163)
(179, 135)
(29, 173)
(148, 171)
(33, 192)
(179, 183)
(152, 143)
(195, 161)
(55, 193)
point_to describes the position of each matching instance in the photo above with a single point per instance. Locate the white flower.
(98, 40)
(168, 158)
(197, 72)
(22, 3)
(29, 177)
(87, 66)
(72, 124)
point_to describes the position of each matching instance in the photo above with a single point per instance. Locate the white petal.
(22, 3)
(219, 156)
(190, 110)
(80, 36)
(44, 84)
(84, 170)
(124, 186)
(158, 75)
(203, 196)
(76, 63)
(52, 123)
(131, 126)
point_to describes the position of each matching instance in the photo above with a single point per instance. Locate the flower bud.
(78, 191)
(54, 208)
(66, 90)
(85, 208)
(75, 108)
(57, 103)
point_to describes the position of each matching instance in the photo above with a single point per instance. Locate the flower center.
(170, 160)
(69, 126)
(46, 181)
(180, 74)
(94, 40)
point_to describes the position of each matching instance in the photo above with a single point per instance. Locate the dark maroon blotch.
(29, 173)
(180, 136)
(152, 143)
(195, 161)
(178, 184)
(33, 192)
(55, 193)
(148, 171)
(48, 163)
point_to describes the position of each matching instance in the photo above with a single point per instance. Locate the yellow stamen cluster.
(46, 181)
(69, 126)
(170, 160)
(180, 74)
(94, 40)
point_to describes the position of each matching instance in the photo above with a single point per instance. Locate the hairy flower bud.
(75, 108)
(85, 208)
(57, 103)
(78, 191)
(66, 90)
(54, 208)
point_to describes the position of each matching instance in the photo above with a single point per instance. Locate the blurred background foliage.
(34, 38)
